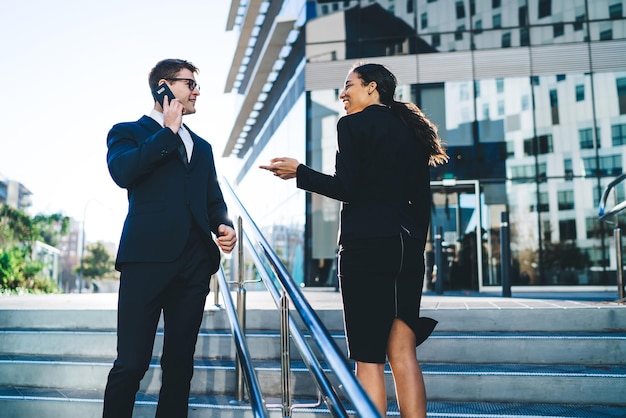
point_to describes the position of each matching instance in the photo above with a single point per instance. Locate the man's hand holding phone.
(172, 114)
(172, 107)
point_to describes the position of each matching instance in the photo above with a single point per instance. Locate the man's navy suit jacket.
(164, 193)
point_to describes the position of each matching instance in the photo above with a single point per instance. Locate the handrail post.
(216, 290)
(617, 233)
(505, 254)
(241, 303)
(285, 365)
(439, 260)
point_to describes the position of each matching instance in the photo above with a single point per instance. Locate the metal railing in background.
(243, 354)
(611, 217)
(285, 291)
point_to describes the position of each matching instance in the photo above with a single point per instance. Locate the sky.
(71, 69)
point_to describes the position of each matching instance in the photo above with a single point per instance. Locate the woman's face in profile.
(355, 95)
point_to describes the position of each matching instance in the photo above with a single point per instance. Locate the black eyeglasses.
(191, 83)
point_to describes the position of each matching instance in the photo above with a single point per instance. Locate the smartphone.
(161, 91)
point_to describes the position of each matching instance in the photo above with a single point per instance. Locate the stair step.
(544, 348)
(29, 402)
(604, 385)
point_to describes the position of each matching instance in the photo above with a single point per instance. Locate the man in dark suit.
(166, 254)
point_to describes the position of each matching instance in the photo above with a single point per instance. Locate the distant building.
(48, 256)
(528, 95)
(14, 194)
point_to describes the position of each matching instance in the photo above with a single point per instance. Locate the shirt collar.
(157, 116)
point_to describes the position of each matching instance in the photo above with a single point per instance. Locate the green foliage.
(17, 271)
(18, 232)
(98, 263)
(49, 228)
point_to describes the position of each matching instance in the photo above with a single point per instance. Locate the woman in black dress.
(382, 178)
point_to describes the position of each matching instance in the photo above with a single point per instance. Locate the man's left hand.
(226, 239)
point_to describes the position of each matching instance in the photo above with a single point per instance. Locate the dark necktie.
(183, 153)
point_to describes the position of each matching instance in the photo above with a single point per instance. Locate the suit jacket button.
(163, 153)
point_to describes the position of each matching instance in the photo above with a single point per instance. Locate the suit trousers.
(177, 289)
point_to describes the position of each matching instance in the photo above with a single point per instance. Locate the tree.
(98, 263)
(18, 232)
(50, 228)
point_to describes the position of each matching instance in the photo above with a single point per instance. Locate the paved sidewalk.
(328, 298)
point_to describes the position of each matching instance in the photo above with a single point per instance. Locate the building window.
(544, 202)
(580, 92)
(486, 111)
(525, 102)
(606, 34)
(409, 6)
(497, 21)
(558, 29)
(545, 8)
(500, 85)
(579, 22)
(436, 40)
(618, 134)
(615, 11)
(554, 99)
(585, 138)
(460, 10)
(566, 199)
(524, 37)
(477, 88)
(594, 228)
(510, 149)
(324, 9)
(554, 106)
(621, 94)
(458, 35)
(568, 168)
(522, 15)
(478, 26)
(523, 171)
(495, 4)
(542, 145)
(567, 230)
(506, 40)
(560, 77)
(424, 20)
(611, 165)
(500, 107)
(534, 80)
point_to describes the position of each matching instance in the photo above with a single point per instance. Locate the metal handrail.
(245, 360)
(602, 214)
(617, 232)
(329, 349)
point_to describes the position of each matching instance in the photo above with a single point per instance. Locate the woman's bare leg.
(372, 378)
(407, 375)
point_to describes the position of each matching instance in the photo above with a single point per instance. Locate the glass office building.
(528, 95)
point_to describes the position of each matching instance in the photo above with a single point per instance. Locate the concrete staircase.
(481, 362)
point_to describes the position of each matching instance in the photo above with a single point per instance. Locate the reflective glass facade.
(528, 95)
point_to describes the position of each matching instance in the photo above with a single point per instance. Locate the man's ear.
(371, 87)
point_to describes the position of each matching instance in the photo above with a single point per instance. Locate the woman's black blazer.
(381, 177)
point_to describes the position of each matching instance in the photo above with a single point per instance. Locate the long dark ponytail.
(411, 115)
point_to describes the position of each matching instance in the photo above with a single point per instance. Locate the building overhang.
(259, 84)
(247, 26)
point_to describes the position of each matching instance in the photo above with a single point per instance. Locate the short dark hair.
(168, 68)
